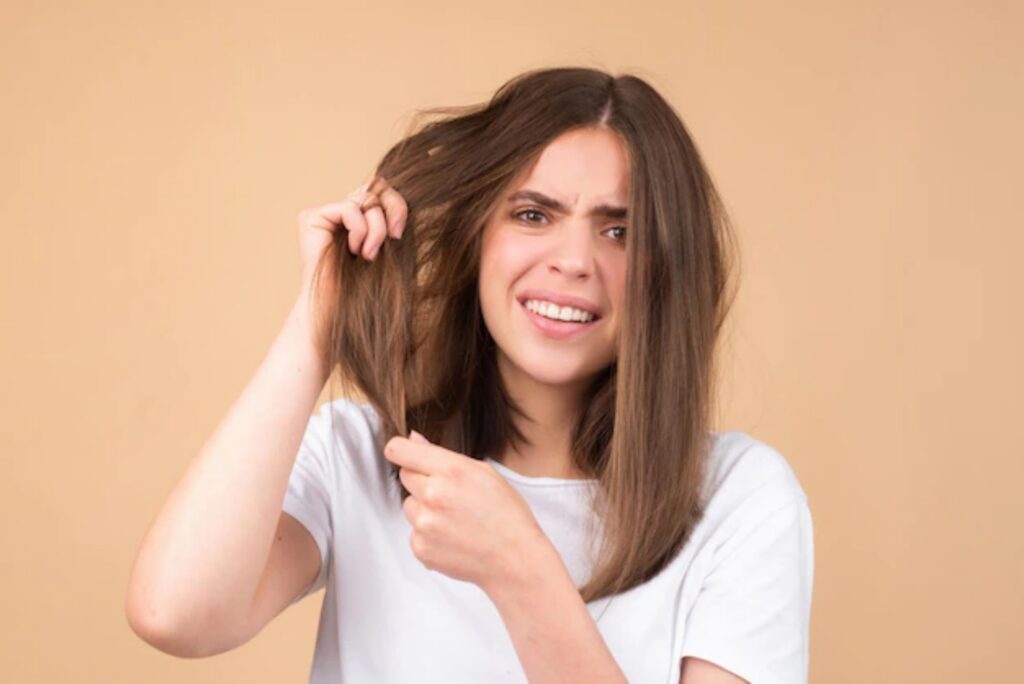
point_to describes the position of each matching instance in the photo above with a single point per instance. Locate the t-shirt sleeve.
(308, 496)
(752, 613)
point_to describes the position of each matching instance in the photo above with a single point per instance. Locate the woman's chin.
(545, 367)
(548, 374)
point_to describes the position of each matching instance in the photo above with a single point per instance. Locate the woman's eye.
(524, 212)
(623, 229)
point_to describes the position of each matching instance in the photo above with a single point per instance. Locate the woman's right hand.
(370, 214)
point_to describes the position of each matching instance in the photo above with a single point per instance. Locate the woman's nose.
(573, 252)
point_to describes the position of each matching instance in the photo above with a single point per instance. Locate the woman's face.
(559, 234)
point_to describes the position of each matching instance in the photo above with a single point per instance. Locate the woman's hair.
(407, 332)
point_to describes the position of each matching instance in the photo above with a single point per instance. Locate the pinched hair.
(406, 330)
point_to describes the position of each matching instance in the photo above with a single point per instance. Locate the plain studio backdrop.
(153, 161)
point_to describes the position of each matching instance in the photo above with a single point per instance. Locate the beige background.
(153, 161)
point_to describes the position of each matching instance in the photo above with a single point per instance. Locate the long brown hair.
(406, 330)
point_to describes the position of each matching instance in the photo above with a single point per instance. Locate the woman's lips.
(558, 330)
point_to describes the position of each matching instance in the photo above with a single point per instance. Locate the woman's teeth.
(558, 313)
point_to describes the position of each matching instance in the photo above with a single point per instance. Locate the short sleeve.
(752, 613)
(308, 496)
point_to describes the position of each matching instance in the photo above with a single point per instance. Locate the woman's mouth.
(556, 329)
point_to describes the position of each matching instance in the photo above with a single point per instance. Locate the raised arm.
(196, 573)
(221, 559)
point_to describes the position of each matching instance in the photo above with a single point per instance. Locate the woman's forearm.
(555, 637)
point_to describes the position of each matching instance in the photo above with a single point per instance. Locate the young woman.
(531, 490)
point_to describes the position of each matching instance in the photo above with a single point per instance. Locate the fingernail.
(373, 252)
(399, 227)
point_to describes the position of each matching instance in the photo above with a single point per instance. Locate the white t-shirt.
(738, 594)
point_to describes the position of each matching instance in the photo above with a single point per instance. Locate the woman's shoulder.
(346, 421)
(744, 471)
(352, 410)
(346, 432)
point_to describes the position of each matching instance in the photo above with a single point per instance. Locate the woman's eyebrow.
(605, 210)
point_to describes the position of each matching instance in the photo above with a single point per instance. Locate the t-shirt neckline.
(539, 481)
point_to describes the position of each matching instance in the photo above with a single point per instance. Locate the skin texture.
(569, 253)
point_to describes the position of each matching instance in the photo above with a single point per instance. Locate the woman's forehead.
(589, 166)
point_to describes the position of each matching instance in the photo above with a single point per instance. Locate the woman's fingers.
(376, 232)
(327, 217)
(370, 214)
(385, 211)
(396, 209)
(355, 223)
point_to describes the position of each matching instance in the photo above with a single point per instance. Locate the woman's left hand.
(468, 521)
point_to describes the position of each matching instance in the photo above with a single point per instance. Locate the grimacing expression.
(560, 228)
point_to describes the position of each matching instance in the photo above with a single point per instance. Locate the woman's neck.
(552, 411)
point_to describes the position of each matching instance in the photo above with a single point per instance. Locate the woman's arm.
(699, 671)
(198, 568)
(557, 640)
(554, 635)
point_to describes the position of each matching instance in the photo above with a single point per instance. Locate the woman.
(531, 491)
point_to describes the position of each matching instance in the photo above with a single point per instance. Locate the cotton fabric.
(738, 594)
